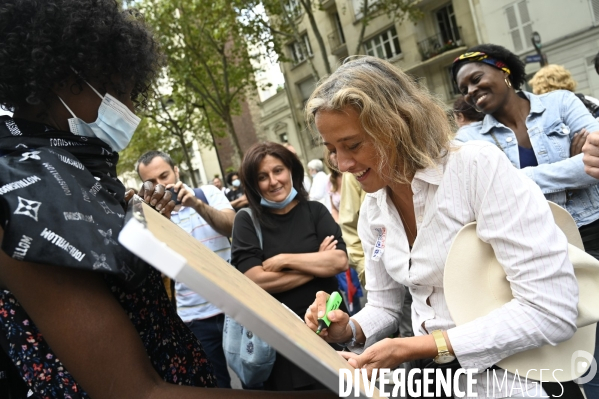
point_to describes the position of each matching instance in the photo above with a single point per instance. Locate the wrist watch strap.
(440, 341)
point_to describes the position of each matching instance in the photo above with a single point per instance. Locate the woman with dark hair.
(80, 316)
(542, 135)
(536, 132)
(301, 250)
(465, 114)
(235, 195)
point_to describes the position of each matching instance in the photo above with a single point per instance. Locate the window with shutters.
(448, 26)
(595, 8)
(298, 52)
(384, 45)
(520, 25)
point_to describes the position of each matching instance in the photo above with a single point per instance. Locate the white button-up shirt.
(474, 183)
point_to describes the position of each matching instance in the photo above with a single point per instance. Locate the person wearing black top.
(235, 195)
(302, 245)
(81, 316)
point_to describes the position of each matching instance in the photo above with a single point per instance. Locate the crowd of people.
(80, 316)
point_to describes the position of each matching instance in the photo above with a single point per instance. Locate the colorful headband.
(477, 56)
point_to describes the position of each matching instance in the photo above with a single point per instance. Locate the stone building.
(424, 49)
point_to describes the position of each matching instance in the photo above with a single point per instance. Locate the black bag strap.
(591, 106)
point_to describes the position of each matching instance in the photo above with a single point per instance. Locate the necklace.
(405, 223)
(402, 217)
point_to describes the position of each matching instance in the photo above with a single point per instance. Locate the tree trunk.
(364, 22)
(323, 51)
(188, 160)
(220, 164)
(231, 130)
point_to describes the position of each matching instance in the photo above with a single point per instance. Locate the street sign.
(533, 58)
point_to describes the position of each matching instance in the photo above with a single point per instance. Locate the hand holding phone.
(174, 196)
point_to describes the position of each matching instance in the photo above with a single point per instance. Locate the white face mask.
(115, 124)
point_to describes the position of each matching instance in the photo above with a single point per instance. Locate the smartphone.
(174, 195)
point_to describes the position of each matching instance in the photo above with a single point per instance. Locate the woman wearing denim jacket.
(542, 135)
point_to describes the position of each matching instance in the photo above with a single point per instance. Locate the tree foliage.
(285, 18)
(171, 123)
(207, 54)
(281, 26)
(146, 138)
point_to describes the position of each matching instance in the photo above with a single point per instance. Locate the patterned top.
(54, 186)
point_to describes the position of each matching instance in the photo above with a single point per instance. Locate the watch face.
(443, 358)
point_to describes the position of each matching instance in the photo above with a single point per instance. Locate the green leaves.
(206, 43)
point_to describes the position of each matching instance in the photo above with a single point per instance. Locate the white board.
(178, 255)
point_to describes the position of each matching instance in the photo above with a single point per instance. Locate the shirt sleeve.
(319, 187)
(514, 218)
(216, 198)
(558, 176)
(349, 213)
(245, 247)
(569, 173)
(380, 317)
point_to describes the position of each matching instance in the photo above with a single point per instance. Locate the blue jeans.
(210, 333)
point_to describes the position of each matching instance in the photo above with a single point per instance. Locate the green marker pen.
(333, 303)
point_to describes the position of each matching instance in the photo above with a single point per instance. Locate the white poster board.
(178, 255)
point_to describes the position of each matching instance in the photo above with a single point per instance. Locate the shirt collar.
(430, 175)
(536, 107)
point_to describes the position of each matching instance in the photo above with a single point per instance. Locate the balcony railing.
(336, 41)
(437, 44)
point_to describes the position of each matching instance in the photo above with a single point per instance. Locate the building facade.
(569, 32)
(424, 49)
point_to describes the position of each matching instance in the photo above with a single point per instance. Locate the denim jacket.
(553, 120)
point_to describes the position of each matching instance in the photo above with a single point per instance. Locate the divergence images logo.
(580, 361)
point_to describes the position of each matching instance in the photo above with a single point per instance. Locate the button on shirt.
(475, 182)
(190, 305)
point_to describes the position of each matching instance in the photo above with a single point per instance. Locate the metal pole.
(536, 42)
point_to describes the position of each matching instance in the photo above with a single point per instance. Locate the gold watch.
(444, 356)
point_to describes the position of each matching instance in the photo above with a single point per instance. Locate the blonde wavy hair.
(407, 125)
(550, 78)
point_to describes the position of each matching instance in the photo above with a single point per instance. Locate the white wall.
(553, 19)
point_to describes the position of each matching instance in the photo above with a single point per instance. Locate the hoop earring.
(507, 82)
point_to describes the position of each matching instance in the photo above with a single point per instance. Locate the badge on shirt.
(379, 245)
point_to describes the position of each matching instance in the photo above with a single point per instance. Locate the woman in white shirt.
(394, 137)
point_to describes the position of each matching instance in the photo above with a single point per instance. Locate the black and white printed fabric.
(60, 201)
